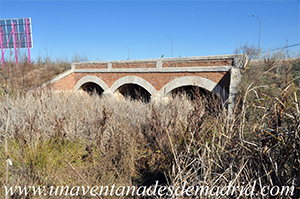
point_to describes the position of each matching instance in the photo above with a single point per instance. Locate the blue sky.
(100, 30)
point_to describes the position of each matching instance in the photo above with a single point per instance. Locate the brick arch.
(133, 80)
(194, 81)
(87, 79)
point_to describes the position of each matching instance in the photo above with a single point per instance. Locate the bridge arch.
(133, 80)
(133, 87)
(90, 83)
(194, 81)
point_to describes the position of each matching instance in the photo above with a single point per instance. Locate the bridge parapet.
(205, 61)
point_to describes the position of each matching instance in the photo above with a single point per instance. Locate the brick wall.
(195, 63)
(65, 83)
(134, 65)
(92, 66)
(155, 77)
(158, 80)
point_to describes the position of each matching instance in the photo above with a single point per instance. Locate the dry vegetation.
(133, 143)
(30, 76)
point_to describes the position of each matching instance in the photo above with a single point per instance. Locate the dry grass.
(133, 143)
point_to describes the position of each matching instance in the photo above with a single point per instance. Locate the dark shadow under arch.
(195, 94)
(190, 92)
(135, 92)
(91, 87)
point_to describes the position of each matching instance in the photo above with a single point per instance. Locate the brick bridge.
(156, 78)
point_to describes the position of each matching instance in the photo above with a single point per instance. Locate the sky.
(118, 30)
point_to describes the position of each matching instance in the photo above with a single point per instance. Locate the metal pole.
(10, 66)
(128, 52)
(171, 46)
(259, 31)
(2, 48)
(27, 36)
(15, 43)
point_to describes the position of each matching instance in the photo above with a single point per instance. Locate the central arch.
(134, 92)
(133, 80)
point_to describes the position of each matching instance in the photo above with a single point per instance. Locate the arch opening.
(91, 88)
(134, 92)
(195, 94)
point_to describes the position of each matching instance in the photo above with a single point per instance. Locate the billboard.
(18, 30)
(15, 33)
